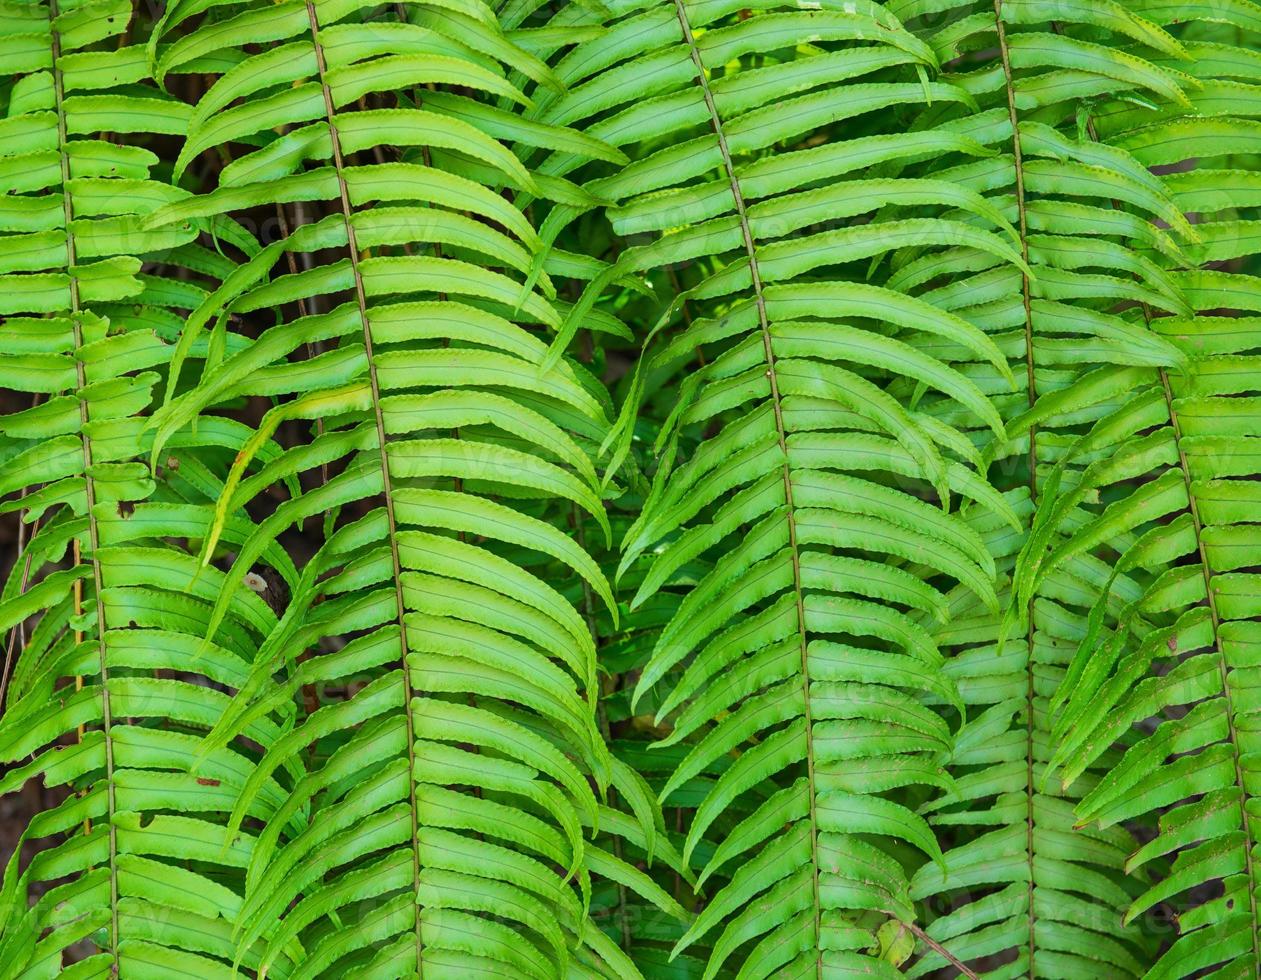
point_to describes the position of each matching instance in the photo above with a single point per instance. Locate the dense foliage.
(606, 488)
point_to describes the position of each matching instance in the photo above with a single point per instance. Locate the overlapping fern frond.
(785, 465)
(450, 443)
(1023, 891)
(112, 691)
(1160, 486)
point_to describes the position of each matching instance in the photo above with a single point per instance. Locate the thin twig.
(938, 948)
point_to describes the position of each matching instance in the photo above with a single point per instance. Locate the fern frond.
(451, 443)
(1170, 630)
(789, 473)
(1095, 228)
(106, 696)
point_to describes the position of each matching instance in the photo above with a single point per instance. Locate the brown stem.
(938, 948)
(89, 488)
(769, 355)
(386, 485)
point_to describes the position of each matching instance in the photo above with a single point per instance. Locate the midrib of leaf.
(391, 525)
(89, 485)
(1032, 392)
(790, 512)
(1023, 223)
